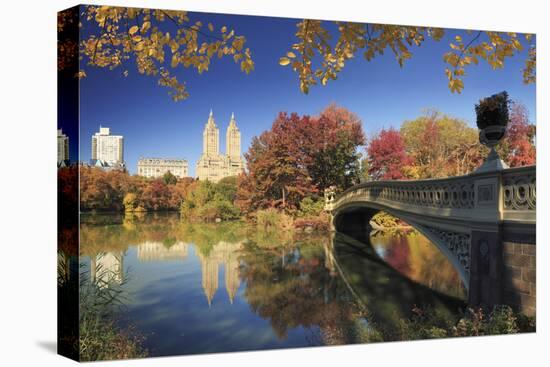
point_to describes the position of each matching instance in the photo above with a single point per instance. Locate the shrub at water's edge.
(100, 338)
(427, 324)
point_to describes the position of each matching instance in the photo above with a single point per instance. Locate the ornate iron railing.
(516, 188)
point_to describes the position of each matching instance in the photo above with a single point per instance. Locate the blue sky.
(380, 92)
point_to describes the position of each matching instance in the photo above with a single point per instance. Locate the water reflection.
(162, 251)
(107, 268)
(281, 290)
(414, 256)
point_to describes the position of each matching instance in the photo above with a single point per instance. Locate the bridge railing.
(519, 193)
(509, 194)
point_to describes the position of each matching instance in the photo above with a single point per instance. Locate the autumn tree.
(335, 136)
(518, 146)
(157, 196)
(301, 156)
(441, 146)
(116, 190)
(387, 156)
(277, 173)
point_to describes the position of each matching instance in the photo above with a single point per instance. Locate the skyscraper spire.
(233, 140)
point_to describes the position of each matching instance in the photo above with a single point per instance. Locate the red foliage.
(300, 156)
(398, 255)
(316, 224)
(519, 135)
(387, 156)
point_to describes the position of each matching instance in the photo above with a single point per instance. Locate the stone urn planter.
(492, 135)
(492, 119)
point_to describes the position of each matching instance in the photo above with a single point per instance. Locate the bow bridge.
(484, 222)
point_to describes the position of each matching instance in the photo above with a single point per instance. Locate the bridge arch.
(484, 222)
(453, 245)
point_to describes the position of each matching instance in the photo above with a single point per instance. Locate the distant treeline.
(290, 165)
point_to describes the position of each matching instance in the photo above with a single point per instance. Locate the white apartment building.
(62, 146)
(108, 148)
(157, 167)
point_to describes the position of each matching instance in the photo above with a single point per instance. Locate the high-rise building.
(233, 140)
(62, 147)
(212, 165)
(157, 167)
(211, 138)
(107, 149)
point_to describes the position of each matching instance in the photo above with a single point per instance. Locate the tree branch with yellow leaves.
(155, 48)
(374, 39)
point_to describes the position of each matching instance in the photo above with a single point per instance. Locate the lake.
(203, 288)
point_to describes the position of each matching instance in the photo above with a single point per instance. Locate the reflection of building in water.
(107, 267)
(225, 254)
(153, 251)
(209, 267)
(232, 281)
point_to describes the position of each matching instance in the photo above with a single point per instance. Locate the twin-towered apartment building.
(108, 153)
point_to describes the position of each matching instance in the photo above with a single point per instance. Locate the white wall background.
(28, 186)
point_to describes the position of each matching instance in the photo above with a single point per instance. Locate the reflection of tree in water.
(292, 288)
(344, 295)
(388, 295)
(160, 237)
(338, 289)
(413, 255)
(104, 233)
(398, 254)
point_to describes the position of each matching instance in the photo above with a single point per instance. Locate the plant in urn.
(492, 118)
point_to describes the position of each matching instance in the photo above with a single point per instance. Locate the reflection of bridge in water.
(484, 222)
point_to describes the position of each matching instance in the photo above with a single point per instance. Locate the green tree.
(207, 201)
(169, 179)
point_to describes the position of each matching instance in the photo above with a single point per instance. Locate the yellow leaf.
(284, 61)
(210, 27)
(291, 54)
(145, 27)
(133, 29)
(224, 29)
